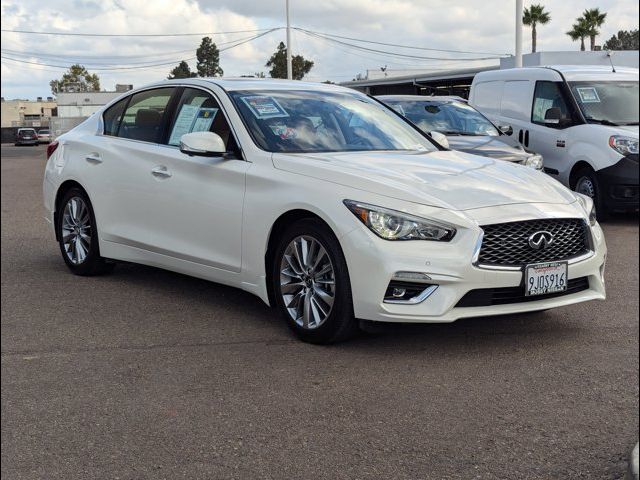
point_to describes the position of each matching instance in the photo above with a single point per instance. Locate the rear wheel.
(78, 235)
(311, 283)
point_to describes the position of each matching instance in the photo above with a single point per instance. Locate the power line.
(395, 54)
(399, 45)
(74, 34)
(135, 67)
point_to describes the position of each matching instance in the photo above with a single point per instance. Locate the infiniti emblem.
(541, 240)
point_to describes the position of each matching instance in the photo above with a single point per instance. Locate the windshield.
(447, 117)
(607, 102)
(322, 121)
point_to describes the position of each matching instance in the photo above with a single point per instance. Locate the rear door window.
(145, 115)
(112, 117)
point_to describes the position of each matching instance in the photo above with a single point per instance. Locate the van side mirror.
(202, 144)
(440, 138)
(553, 116)
(505, 129)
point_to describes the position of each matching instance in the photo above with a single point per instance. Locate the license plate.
(545, 278)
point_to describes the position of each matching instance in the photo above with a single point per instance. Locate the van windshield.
(608, 103)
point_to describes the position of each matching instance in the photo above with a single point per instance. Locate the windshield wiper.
(456, 132)
(603, 122)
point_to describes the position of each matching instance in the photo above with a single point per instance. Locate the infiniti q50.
(321, 201)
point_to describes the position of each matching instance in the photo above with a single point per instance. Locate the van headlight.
(534, 161)
(589, 207)
(394, 225)
(624, 145)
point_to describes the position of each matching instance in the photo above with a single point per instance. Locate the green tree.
(208, 57)
(624, 40)
(181, 70)
(76, 79)
(579, 31)
(278, 64)
(534, 16)
(594, 19)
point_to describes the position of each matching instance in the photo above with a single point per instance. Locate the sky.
(468, 25)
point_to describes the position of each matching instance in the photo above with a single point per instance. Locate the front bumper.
(619, 183)
(373, 262)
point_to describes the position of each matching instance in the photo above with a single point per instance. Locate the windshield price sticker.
(588, 95)
(264, 107)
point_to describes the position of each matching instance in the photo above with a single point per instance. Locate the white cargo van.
(582, 119)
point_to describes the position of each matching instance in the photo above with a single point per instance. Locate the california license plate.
(545, 278)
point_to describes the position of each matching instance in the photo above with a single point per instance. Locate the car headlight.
(394, 225)
(588, 206)
(624, 145)
(534, 161)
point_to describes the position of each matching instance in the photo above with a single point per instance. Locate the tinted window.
(198, 111)
(324, 121)
(112, 117)
(144, 116)
(549, 95)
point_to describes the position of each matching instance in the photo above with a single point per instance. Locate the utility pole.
(289, 67)
(519, 12)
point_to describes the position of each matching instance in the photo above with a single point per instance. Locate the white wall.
(620, 59)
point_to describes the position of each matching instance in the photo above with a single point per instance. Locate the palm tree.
(594, 19)
(534, 16)
(579, 31)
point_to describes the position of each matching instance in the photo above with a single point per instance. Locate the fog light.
(408, 276)
(409, 293)
(399, 292)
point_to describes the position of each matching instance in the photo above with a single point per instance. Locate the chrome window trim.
(172, 85)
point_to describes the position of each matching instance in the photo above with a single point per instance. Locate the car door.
(120, 169)
(199, 199)
(550, 140)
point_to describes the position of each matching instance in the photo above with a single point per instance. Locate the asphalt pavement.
(147, 374)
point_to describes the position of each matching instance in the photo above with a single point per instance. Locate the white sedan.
(319, 200)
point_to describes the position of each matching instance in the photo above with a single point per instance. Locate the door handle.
(161, 172)
(93, 158)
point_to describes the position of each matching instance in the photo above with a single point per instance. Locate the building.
(458, 82)
(75, 107)
(27, 113)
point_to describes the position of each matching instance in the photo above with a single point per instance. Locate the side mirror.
(505, 129)
(440, 138)
(553, 116)
(202, 144)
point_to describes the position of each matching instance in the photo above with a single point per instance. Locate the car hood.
(487, 146)
(446, 179)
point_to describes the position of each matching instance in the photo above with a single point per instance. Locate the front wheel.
(311, 283)
(587, 184)
(78, 235)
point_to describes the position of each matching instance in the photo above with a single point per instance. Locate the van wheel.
(586, 183)
(311, 283)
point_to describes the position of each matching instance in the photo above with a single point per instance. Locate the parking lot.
(149, 374)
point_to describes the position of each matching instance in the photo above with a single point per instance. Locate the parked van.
(582, 119)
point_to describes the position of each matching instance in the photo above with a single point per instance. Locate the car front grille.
(486, 297)
(507, 244)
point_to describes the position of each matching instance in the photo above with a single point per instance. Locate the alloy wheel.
(307, 282)
(76, 230)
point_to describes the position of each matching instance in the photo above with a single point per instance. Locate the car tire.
(586, 182)
(311, 283)
(77, 235)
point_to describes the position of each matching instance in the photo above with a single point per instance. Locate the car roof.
(249, 83)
